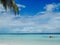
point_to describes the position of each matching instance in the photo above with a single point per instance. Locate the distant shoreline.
(29, 33)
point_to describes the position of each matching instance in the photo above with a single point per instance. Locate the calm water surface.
(29, 40)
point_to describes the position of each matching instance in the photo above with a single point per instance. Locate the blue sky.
(34, 6)
(36, 16)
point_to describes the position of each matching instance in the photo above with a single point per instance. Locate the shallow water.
(29, 40)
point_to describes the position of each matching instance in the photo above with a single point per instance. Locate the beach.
(29, 40)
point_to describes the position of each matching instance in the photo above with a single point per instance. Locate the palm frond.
(4, 3)
(11, 5)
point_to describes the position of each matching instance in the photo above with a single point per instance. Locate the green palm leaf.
(11, 5)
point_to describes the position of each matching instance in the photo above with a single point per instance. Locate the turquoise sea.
(29, 40)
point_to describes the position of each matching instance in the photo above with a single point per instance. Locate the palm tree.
(11, 5)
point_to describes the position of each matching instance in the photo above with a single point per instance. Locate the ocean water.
(29, 40)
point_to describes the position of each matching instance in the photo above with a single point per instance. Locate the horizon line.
(28, 33)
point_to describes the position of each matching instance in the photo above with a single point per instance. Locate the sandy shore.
(3, 44)
(31, 43)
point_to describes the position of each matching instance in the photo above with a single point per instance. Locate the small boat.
(51, 36)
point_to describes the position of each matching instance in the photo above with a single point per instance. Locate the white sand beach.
(3, 44)
(32, 43)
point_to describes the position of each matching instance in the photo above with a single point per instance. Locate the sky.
(35, 16)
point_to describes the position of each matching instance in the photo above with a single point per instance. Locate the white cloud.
(50, 7)
(21, 6)
(48, 21)
(1, 8)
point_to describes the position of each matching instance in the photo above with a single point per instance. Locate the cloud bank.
(43, 22)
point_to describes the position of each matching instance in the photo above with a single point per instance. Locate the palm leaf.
(11, 5)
